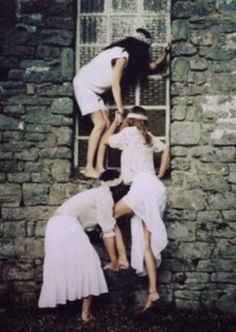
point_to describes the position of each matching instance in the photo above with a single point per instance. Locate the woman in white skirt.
(72, 269)
(146, 198)
(127, 59)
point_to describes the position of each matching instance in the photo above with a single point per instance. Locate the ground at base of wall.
(118, 319)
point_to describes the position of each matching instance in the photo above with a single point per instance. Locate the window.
(101, 22)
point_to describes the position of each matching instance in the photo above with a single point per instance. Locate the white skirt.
(72, 269)
(147, 198)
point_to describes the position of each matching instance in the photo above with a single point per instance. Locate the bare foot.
(90, 173)
(123, 264)
(152, 298)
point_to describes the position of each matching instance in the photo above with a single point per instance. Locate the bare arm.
(116, 88)
(153, 65)
(165, 159)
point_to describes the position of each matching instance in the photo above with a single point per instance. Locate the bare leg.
(120, 246)
(86, 312)
(102, 146)
(121, 209)
(99, 126)
(149, 259)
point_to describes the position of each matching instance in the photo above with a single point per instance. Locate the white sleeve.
(105, 219)
(158, 145)
(118, 141)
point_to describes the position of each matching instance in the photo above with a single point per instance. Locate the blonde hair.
(141, 125)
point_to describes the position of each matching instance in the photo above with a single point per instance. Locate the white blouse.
(91, 207)
(98, 73)
(136, 156)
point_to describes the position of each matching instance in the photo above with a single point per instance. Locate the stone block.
(35, 194)
(67, 64)
(181, 231)
(20, 177)
(179, 30)
(179, 151)
(202, 38)
(60, 192)
(60, 170)
(183, 49)
(222, 201)
(217, 265)
(56, 37)
(224, 249)
(13, 109)
(180, 69)
(225, 277)
(178, 112)
(209, 216)
(225, 6)
(30, 248)
(7, 248)
(28, 155)
(8, 123)
(62, 106)
(52, 90)
(182, 164)
(14, 229)
(40, 228)
(193, 250)
(229, 215)
(15, 271)
(185, 133)
(206, 182)
(182, 9)
(198, 64)
(186, 199)
(55, 153)
(10, 194)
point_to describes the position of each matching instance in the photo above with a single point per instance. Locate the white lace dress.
(72, 268)
(147, 194)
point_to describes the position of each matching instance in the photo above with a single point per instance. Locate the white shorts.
(88, 100)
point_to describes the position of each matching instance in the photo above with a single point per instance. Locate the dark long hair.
(139, 57)
(142, 125)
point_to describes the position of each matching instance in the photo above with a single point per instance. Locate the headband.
(141, 37)
(137, 116)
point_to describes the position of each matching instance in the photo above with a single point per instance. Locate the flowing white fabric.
(72, 269)
(147, 198)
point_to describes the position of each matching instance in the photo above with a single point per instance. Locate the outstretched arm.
(165, 159)
(116, 88)
(153, 65)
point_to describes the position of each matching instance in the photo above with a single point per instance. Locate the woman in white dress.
(127, 59)
(72, 269)
(146, 198)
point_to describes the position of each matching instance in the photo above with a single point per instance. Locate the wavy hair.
(139, 57)
(141, 125)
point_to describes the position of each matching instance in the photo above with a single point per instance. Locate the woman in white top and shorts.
(126, 59)
(146, 198)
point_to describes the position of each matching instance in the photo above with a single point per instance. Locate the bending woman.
(127, 60)
(146, 198)
(72, 269)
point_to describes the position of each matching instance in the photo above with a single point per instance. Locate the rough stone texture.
(37, 53)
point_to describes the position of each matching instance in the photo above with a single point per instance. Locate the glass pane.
(125, 6)
(122, 27)
(92, 6)
(83, 144)
(93, 30)
(87, 53)
(128, 96)
(156, 121)
(155, 5)
(153, 91)
(157, 26)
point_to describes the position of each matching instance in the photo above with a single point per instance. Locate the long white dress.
(72, 268)
(147, 194)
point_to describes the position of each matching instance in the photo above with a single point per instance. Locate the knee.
(100, 125)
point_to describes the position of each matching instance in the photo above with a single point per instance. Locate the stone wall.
(37, 46)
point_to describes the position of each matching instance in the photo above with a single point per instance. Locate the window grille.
(101, 22)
